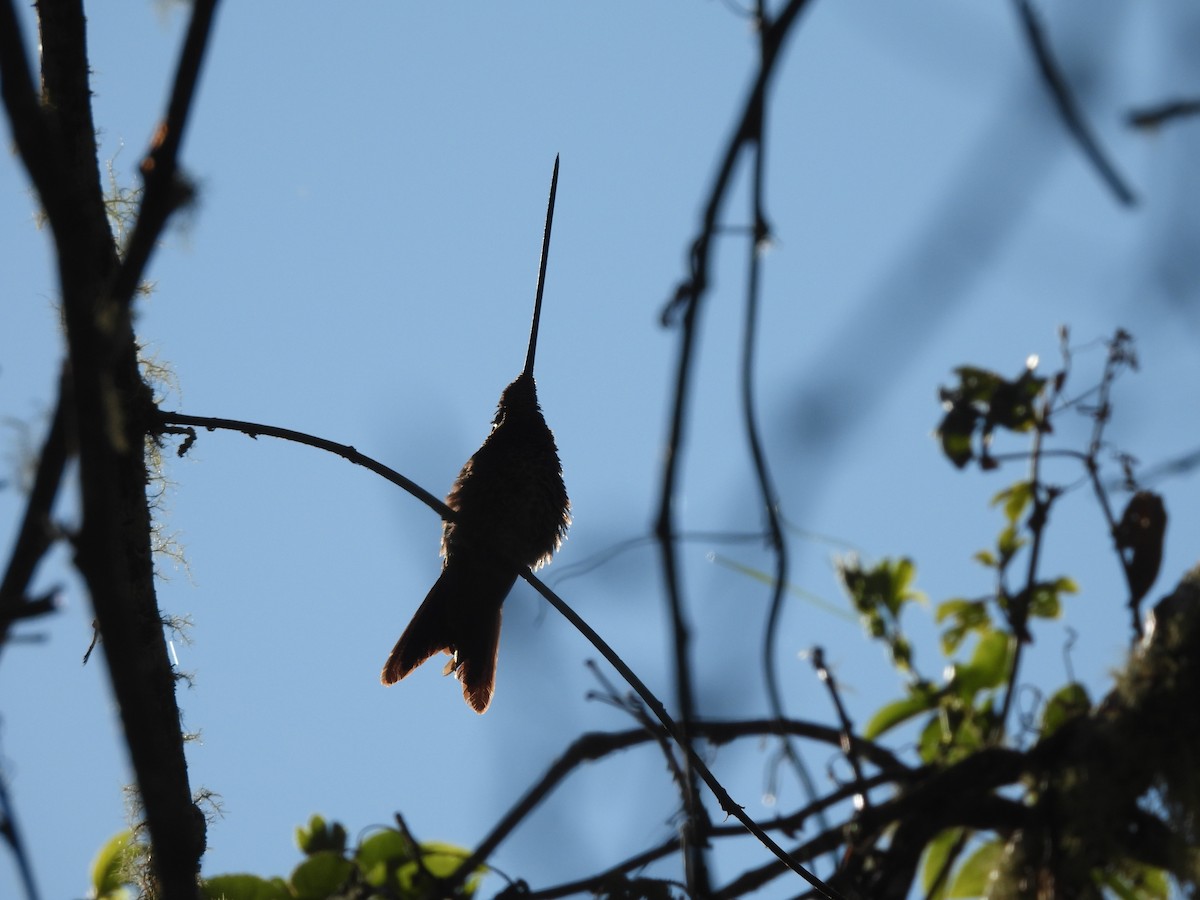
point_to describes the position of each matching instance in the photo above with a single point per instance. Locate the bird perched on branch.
(510, 512)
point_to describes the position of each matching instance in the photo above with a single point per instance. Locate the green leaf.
(244, 887)
(1012, 404)
(922, 699)
(967, 616)
(904, 573)
(1068, 702)
(440, 860)
(381, 855)
(985, 558)
(991, 658)
(1135, 882)
(987, 668)
(1008, 543)
(319, 836)
(977, 385)
(937, 857)
(955, 433)
(114, 865)
(1065, 585)
(321, 875)
(932, 740)
(974, 877)
(1016, 498)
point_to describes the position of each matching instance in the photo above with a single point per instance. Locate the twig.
(635, 709)
(1119, 355)
(827, 842)
(697, 764)
(36, 536)
(164, 190)
(1018, 606)
(961, 795)
(182, 423)
(26, 117)
(688, 296)
(655, 705)
(596, 745)
(586, 748)
(110, 408)
(847, 729)
(1068, 108)
(11, 833)
(590, 884)
(768, 495)
(1152, 117)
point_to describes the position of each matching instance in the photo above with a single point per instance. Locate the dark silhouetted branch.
(165, 190)
(1153, 117)
(36, 534)
(1068, 107)
(687, 298)
(11, 832)
(182, 423)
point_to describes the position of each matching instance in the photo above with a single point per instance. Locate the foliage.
(114, 870)
(960, 716)
(1093, 799)
(387, 864)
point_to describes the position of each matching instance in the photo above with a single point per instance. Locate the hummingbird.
(510, 512)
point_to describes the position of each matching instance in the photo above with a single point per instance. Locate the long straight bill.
(541, 282)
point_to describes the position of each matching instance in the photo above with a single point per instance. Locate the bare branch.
(1068, 107)
(688, 296)
(165, 191)
(36, 534)
(182, 423)
(1152, 117)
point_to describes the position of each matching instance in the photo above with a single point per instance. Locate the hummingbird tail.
(460, 616)
(478, 649)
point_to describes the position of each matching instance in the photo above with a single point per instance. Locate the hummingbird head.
(518, 402)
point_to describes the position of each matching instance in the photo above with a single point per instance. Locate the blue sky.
(361, 266)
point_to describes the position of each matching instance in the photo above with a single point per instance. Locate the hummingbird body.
(510, 512)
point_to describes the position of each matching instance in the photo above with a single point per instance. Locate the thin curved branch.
(181, 423)
(719, 732)
(1068, 108)
(111, 413)
(768, 495)
(697, 764)
(36, 535)
(937, 798)
(688, 296)
(30, 129)
(11, 832)
(171, 419)
(165, 191)
(1153, 117)
(846, 734)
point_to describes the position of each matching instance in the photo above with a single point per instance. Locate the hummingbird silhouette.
(510, 511)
